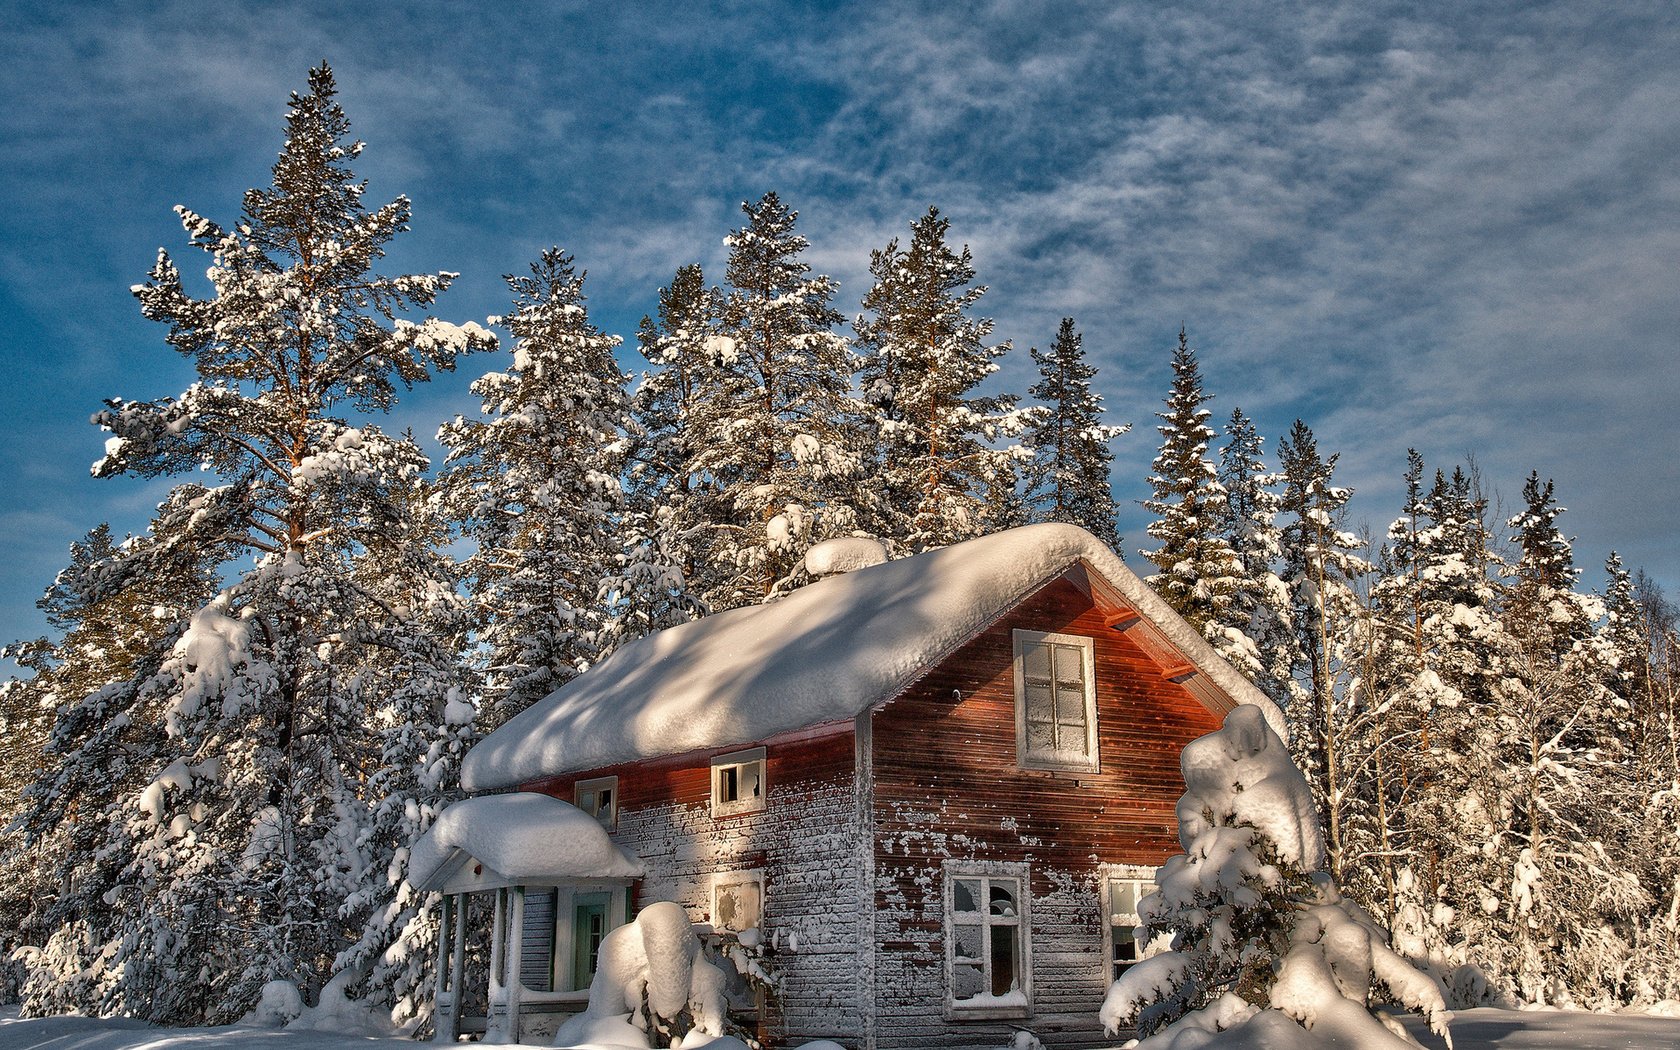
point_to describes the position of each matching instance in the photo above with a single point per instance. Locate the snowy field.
(1472, 1030)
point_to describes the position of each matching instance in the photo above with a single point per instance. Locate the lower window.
(1123, 889)
(987, 927)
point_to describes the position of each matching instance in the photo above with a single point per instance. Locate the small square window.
(599, 799)
(1055, 701)
(987, 929)
(738, 782)
(738, 900)
(1123, 889)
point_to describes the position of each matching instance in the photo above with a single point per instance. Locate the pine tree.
(1198, 573)
(1068, 479)
(242, 848)
(671, 508)
(1319, 568)
(772, 439)
(923, 358)
(535, 486)
(1256, 632)
(1570, 802)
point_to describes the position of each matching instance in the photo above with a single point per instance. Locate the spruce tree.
(1068, 479)
(667, 563)
(242, 849)
(924, 356)
(773, 440)
(535, 485)
(1256, 630)
(1319, 569)
(1198, 573)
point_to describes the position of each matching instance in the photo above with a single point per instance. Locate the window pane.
(1040, 705)
(754, 776)
(966, 897)
(1041, 736)
(738, 906)
(967, 981)
(729, 787)
(1122, 899)
(1004, 978)
(1070, 666)
(1003, 898)
(1035, 662)
(969, 941)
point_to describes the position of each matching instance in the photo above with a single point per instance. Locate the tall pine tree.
(247, 840)
(1198, 573)
(1068, 478)
(924, 357)
(535, 485)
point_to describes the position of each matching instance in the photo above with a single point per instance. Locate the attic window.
(1055, 701)
(738, 783)
(599, 799)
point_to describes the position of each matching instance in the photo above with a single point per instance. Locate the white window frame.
(724, 879)
(1025, 756)
(608, 819)
(989, 872)
(739, 761)
(1144, 877)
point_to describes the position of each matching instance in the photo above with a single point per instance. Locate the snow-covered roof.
(823, 654)
(522, 838)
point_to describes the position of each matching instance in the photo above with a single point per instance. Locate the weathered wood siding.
(806, 841)
(946, 785)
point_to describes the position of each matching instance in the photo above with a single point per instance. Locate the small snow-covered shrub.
(1255, 922)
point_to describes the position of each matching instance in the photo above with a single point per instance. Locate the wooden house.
(938, 785)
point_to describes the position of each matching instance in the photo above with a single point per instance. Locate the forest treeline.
(214, 766)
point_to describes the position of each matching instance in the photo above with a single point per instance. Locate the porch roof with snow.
(828, 652)
(517, 839)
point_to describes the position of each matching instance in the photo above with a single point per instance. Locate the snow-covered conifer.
(667, 563)
(1255, 921)
(772, 438)
(246, 836)
(1068, 479)
(1198, 573)
(1255, 633)
(535, 485)
(924, 356)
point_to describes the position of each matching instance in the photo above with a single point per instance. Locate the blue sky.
(1455, 229)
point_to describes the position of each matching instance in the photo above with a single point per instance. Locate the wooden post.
(446, 1001)
(496, 1028)
(514, 947)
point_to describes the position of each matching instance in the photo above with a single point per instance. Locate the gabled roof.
(826, 653)
(520, 838)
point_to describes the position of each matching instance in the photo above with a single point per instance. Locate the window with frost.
(738, 900)
(599, 799)
(1123, 890)
(986, 933)
(1055, 701)
(738, 782)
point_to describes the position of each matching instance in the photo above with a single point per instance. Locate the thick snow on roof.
(523, 836)
(823, 654)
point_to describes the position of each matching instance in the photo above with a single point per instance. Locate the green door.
(589, 925)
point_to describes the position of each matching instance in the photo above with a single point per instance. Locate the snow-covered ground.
(1472, 1030)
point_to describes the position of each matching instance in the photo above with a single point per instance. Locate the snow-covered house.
(938, 785)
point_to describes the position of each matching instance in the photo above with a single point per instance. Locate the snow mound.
(821, 655)
(1242, 775)
(844, 554)
(523, 835)
(654, 960)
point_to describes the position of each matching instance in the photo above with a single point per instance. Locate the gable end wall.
(947, 786)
